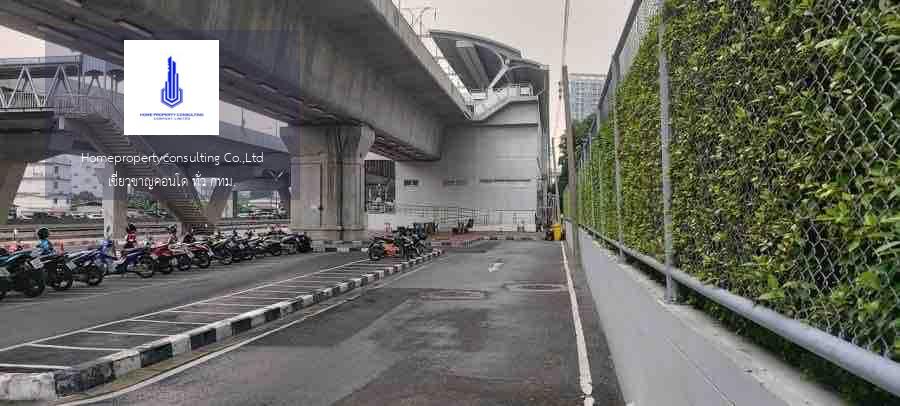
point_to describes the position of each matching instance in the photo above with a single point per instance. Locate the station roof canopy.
(481, 62)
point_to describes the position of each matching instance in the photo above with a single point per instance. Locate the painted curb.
(57, 384)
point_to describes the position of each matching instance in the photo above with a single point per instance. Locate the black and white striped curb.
(66, 381)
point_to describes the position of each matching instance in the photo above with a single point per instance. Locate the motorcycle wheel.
(376, 252)
(93, 276)
(275, 251)
(184, 263)
(203, 260)
(2, 292)
(164, 268)
(146, 268)
(225, 258)
(63, 281)
(33, 284)
(3, 288)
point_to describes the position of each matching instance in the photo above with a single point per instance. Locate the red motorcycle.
(167, 257)
(202, 254)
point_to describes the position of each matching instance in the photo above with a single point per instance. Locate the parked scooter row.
(405, 243)
(30, 271)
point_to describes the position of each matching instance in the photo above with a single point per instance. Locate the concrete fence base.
(673, 355)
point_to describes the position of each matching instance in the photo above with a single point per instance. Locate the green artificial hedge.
(785, 158)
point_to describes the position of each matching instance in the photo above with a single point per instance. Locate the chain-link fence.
(767, 134)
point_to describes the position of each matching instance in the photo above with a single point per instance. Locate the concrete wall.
(674, 355)
(506, 146)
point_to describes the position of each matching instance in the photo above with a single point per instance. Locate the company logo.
(172, 95)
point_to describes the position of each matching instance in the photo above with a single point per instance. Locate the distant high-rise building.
(584, 93)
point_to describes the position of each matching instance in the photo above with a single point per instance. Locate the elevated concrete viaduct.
(335, 67)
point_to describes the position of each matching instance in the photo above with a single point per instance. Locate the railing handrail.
(868, 365)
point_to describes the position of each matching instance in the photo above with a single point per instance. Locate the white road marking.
(232, 304)
(35, 366)
(495, 267)
(124, 333)
(584, 366)
(171, 309)
(262, 298)
(71, 347)
(398, 277)
(185, 311)
(198, 361)
(275, 291)
(166, 322)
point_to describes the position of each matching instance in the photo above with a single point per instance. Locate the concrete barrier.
(673, 355)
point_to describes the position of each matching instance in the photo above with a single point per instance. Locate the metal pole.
(570, 154)
(618, 170)
(665, 139)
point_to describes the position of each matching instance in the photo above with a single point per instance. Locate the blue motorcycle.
(85, 270)
(136, 260)
(21, 271)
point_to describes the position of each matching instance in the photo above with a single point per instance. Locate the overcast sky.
(533, 26)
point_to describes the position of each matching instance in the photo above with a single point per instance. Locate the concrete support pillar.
(235, 205)
(115, 202)
(328, 180)
(221, 197)
(11, 173)
(284, 195)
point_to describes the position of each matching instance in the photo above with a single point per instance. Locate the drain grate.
(454, 295)
(537, 287)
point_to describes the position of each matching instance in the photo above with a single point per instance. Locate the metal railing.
(450, 216)
(485, 102)
(779, 196)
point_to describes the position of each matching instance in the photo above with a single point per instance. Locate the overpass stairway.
(104, 120)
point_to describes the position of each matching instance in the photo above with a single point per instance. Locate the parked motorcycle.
(255, 245)
(57, 274)
(240, 250)
(409, 248)
(91, 266)
(137, 260)
(167, 257)
(271, 244)
(222, 248)
(24, 272)
(202, 254)
(381, 247)
(293, 243)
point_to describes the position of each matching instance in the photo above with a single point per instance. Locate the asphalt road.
(490, 325)
(23, 319)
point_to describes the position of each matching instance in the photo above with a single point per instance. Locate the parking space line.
(167, 322)
(34, 366)
(273, 291)
(185, 311)
(69, 347)
(304, 285)
(170, 310)
(64, 300)
(256, 297)
(126, 333)
(231, 304)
